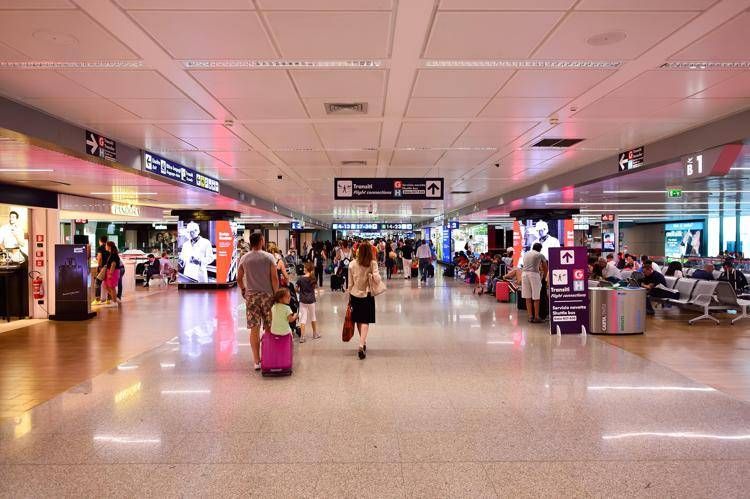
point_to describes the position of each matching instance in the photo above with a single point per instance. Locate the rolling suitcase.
(415, 271)
(502, 291)
(337, 282)
(276, 355)
(430, 270)
(299, 269)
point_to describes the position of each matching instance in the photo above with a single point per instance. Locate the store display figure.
(548, 241)
(196, 255)
(12, 239)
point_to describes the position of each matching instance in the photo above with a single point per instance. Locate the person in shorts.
(534, 265)
(258, 280)
(306, 288)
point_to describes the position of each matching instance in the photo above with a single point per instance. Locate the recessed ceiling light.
(608, 38)
(124, 194)
(522, 64)
(71, 64)
(25, 170)
(280, 64)
(706, 65)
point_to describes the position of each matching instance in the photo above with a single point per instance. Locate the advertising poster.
(683, 239)
(517, 243)
(207, 252)
(568, 297)
(608, 241)
(570, 239)
(447, 253)
(71, 280)
(14, 237)
(542, 231)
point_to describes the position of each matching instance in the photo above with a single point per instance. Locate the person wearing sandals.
(363, 275)
(306, 287)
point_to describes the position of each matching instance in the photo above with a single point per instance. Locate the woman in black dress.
(363, 275)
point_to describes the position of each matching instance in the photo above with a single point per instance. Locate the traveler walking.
(406, 254)
(364, 283)
(319, 260)
(258, 280)
(102, 256)
(390, 260)
(113, 273)
(306, 288)
(534, 265)
(425, 259)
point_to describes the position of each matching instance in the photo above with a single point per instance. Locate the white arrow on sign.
(92, 143)
(623, 161)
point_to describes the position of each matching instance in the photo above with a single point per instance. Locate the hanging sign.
(101, 146)
(568, 297)
(175, 171)
(632, 159)
(388, 188)
(711, 162)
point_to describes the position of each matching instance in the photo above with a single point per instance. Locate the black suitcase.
(543, 301)
(430, 270)
(448, 271)
(299, 269)
(337, 282)
(415, 272)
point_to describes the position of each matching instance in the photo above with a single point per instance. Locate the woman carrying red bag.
(364, 284)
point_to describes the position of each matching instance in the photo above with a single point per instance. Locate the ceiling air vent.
(346, 107)
(557, 143)
(460, 192)
(356, 162)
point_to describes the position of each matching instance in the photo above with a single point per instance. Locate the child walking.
(281, 313)
(306, 289)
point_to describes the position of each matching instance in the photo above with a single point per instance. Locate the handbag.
(377, 286)
(348, 330)
(102, 274)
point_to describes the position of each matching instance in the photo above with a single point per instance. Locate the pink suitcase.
(502, 291)
(276, 355)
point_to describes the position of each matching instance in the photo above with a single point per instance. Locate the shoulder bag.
(348, 330)
(376, 284)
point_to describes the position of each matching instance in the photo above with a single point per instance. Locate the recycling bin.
(617, 310)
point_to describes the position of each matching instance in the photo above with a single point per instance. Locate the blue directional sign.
(175, 171)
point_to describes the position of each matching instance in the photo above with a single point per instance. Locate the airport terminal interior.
(374, 248)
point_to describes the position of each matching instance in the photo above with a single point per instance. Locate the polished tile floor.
(458, 397)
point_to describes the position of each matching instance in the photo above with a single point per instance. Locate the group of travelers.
(109, 273)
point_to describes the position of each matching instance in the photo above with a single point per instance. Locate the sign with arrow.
(632, 159)
(101, 146)
(568, 291)
(388, 188)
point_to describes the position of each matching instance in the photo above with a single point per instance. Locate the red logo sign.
(40, 263)
(578, 274)
(397, 184)
(40, 238)
(39, 254)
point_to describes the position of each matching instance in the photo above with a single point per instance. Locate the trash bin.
(617, 310)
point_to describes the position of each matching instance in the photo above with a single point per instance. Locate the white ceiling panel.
(139, 131)
(164, 109)
(316, 107)
(523, 107)
(419, 159)
(506, 4)
(557, 83)
(445, 107)
(9, 54)
(286, 135)
(429, 134)
(337, 157)
(219, 144)
(245, 173)
(242, 159)
(492, 134)
(460, 82)
(28, 84)
(644, 5)
(357, 171)
(36, 4)
(474, 35)
(247, 84)
(185, 4)
(727, 43)
(569, 40)
(304, 158)
(265, 107)
(736, 86)
(196, 130)
(623, 107)
(463, 160)
(340, 84)
(157, 144)
(126, 84)
(702, 108)
(665, 84)
(325, 4)
(339, 135)
(232, 35)
(331, 34)
(82, 110)
(66, 35)
(531, 155)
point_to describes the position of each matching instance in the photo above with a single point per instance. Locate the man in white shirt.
(425, 258)
(611, 270)
(195, 255)
(12, 238)
(654, 265)
(548, 241)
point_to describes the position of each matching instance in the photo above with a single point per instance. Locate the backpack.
(343, 264)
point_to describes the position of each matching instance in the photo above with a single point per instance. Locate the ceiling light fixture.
(648, 203)
(25, 170)
(522, 64)
(281, 64)
(706, 65)
(124, 194)
(71, 64)
(684, 192)
(675, 434)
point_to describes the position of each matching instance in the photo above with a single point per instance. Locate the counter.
(617, 310)
(14, 284)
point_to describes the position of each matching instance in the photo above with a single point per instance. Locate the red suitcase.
(502, 291)
(276, 355)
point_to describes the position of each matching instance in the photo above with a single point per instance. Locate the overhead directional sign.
(372, 226)
(175, 171)
(388, 188)
(101, 146)
(632, 159)
(674, 193)
(713, 162)
(297, 225)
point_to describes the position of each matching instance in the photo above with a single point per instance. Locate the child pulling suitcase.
(277, 346)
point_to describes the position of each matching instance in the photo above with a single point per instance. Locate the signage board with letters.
(713, 162)
(632, 159)
(388, 188)
(175, 171)
(674, 193)
(372, 226)
(72, 282)
(100, 146)
(452, 224)
(569, 301)
(297, 225)
(608, 217)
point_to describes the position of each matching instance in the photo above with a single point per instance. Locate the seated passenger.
(611, 272)
(674, 269)
(152, 268)
(651, 281)
(706, 273)
(734, 277)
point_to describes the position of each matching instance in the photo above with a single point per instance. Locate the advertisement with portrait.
(683, 239)
(608, 241)
(207, 252)
(14, 234)
(542, 231)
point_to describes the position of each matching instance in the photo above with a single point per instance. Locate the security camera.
(279, 177)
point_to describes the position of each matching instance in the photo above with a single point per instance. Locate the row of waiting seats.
(707, 296)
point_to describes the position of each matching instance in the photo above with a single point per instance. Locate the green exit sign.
(674, 193)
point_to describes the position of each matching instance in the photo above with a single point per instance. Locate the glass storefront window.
(744, 234)
(713, 236)
(730, 232)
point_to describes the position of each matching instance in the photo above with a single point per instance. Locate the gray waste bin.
(617, 311)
